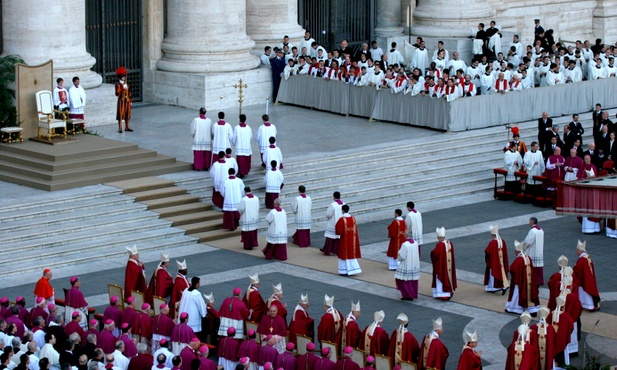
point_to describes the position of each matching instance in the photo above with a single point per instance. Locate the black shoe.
(119, 131)
(534, 314)
(503, 291)
(128, 130)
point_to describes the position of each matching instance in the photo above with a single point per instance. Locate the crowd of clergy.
(544, 158)
(492, 69)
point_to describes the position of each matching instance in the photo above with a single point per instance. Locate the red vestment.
(558, 173)
(130, 349)
(585, 274)
(555, 289)
(376, 344)
(248, 348)
(349, 243)
(396, 233)
(162, 325)
(113, 313)
(206, 364)
(403, 347)
(141, 362)
(254, 302)
(74, 327)
(469, 360)
(350, 333)
(444, 266)
(107, 341)
(301, 324)
(522, 360)
(345, 364)
(307, 361)
(128, 315)
(282, 310)
(521, 272)
(286, 361)
(43, 288)
(142, 325)
(134, 278)
(180, 285)
(272, 325)
(33, 314)
(228, 349)
(497, 264)
(267, 353)
(563, 329)
(161, 284)
(182, 333)
(433, 354)
(329, 328)
(233, 308)
(543, 336)
(324, 363)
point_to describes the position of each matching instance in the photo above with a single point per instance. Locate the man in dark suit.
(597, 117)
(595, 156)
(568, 138)
(550, 147)
(545, 124)
(576, 127)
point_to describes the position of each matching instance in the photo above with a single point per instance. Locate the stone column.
(388, 18)
(38, 31)
(604, 21)
(206, 36)
(449, 18)
(268, 21)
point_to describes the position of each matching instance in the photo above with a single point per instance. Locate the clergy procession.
(493, 69)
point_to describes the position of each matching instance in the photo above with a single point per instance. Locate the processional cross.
(240, 86)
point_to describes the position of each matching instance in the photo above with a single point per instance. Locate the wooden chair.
(140, 298)
(46, 115)
(382, 362)
(302, 341)
(405, 365)
(359, 357)
(116, 290)
(499, 192)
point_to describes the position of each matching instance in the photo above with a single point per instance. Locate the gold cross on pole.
(240, 86)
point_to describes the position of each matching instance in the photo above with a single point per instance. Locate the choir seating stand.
(499, 192)
(524, 196)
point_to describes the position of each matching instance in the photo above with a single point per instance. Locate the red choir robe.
(228, 349)
(396, 233)
(134, 278)
(403, 347)
(267, 353)
(162, 325)
(248, 348)
(182, 333)
(180, 285)
(33, 314)
(141, 362)
(113, 313)
(254, 302)
(349, 243)
(75, 298)
(345, 364)
(142, 325)
(128, 315)
(324, 363)
(130, 349)
(555, 289)
(585, 274)
(107, 341)
(301, 324)
(573, 308)
(442, 270)
(307, 361)
(558, 173)
(574, 162)
(543, 336)
(282, 310)
(74, 327)
(188, 355)
(524, 359)
(206, 364)
(521, 272)
(563, 326)
(272, 325)
(161, 284)
(329, 328)
(433, 354)
(588, 167)
(210, 325)
(376, 344)
(350, 333)
(43, 288)
(233, 308)
(469, 360)
(497, 264)
(286, 361)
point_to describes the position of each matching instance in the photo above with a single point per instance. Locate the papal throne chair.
(46, 115)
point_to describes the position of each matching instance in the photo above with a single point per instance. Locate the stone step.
(79, 215)
(61, 208)
(208, 236)
(204, 225)
(61, 197)
(97, 250)
(170, 201)
(100, 224)
(142, 184)
(183, 209)
(48, 245)
(194, 217)
(141, 196)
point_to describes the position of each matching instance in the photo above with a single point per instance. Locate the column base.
(101, 105)
(87, 79)
(388, 32)
(196, 90)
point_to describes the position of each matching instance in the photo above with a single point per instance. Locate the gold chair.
(46, 115)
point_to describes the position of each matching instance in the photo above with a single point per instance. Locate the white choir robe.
(519, 48)
(273, 180)
(363, 80)
(494, 43)
(333, 213)
(77, 97)
(611, 71)
(527, 82)
(534, 247)
(249, 213)
(554, 78)
(477, 46)
(469, 89)
(456, 64)
(302, 69)
(273, 154)
(451, 93)
(413, 221)
(221, 137)
(516, 85)
(398, 86)
(446, 56)
(414, 89)
(192, 302)
(487, 82)
(420, 60)
(440, 63)
(500, 86)
(508, 163)
(534, 164)
(497, 64)
(277, 227)
(473, 72)
(610, 233)
(265, 60)
(232, 192)
(589, 227)
(242, 140)
(219, 173)
(231, 163)
(201, 131)
(289, 71)
(395, 57)
(574, 75)
(543, 71)
(376, 78)
(264, 133)
(301, 207)
(57, 102)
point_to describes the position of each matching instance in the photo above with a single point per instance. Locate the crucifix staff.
(240, 86)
